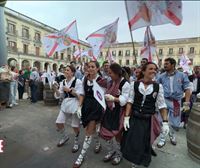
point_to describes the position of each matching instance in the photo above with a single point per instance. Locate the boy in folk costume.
(70, 89)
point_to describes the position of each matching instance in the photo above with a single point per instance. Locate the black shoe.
(153, 153)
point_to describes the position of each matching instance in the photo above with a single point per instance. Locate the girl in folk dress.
(144, 95)
(70, 89)
(116, 96)
(90, 111)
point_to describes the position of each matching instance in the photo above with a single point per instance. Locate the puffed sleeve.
(131, 93)
(82, 92)
(123, 98)
(61, 91)
(160, 102)
(79, 87)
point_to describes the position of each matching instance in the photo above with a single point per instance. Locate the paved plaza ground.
(30, 142)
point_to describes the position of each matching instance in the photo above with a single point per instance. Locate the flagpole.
(79, 47)
(133, 45)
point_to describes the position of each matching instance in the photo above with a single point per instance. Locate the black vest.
(148, 106)
(69, 95)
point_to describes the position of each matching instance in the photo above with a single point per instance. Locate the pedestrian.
(21, 84)
(70, 89)
(175, 83)
(116, 96)
(144, 95)
(13, 87)
(33, 82)
(90, 111)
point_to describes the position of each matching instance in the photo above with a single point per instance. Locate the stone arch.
(25, 64)
(46, 64)
(37, 64)
(12, 62)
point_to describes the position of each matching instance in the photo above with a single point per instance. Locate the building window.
(136, 52)
(114, 53)
(56, 55)
(25, 33)
(101, 53)
(37, 37)
(12, 46)
(180, 50)
(120, 53)
(191, 50)
(160, 51)
(11, 28)
(25, 49)
(69, 58)
(127, 62)
(127, 52)
(170, 50)
(37, 51)
(120, 62)
(74, 48)
(62, 56)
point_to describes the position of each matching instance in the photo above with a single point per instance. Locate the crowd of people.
(142, 103)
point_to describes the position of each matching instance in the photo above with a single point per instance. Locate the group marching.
(141, 104)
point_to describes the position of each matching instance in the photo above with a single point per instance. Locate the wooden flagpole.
(133, 45)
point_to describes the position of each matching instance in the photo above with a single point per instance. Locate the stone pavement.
(30, 142)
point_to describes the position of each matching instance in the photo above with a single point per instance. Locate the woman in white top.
(70, 89)
(144, 96)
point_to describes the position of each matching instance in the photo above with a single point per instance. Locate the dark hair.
(145, 59)
(20, 72)
(12, 68)
(116, 69)
(144, 67)
(128, 70)
(105, 62)
(172, 61)
(72, 68)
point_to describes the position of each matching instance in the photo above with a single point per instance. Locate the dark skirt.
(91, 111)
(112, 123)
(135, 144)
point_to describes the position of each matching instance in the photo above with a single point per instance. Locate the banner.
(185, 64)
(149, 46)
(61, 40)
(99, 94)
(103, 37)
(146, 13)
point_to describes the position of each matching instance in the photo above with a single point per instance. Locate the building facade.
(123, 52)
(25, 47)
(24, 43)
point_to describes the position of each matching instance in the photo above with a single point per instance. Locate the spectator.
(21, 84)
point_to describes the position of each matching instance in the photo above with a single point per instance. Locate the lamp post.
(3, 48)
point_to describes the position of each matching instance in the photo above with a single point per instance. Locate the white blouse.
(124, 95)
(78, 87)
(160, 101)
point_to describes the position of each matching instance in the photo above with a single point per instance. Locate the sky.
(92, 15)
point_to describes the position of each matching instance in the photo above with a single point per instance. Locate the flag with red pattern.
(149, 46)
(103, 37)
(61, 40)
(146, 13)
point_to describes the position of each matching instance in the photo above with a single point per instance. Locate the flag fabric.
(149, 46)
(185, 64)
(103, 37)
(63, 39)
(146, 13)
(77, 53)
(99, 94)
(109, 57)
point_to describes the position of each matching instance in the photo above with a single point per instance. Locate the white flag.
(63, 39)
(146, 13)
(99, 94)
(149, 46)
(184, 63)
(103, 37)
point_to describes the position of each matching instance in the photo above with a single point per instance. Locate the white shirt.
(195, 84)
(124, 95)
(160, 101)
(78, 87)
